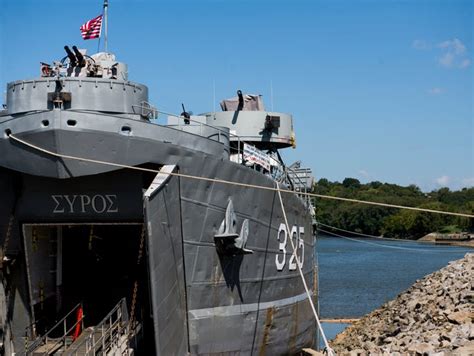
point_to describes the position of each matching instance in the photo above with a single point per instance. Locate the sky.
(378, 90)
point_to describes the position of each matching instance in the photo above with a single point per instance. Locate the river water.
(358, 275)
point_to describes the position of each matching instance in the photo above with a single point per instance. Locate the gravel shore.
(433, 317)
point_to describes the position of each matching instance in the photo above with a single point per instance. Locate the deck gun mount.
(81, 82)
(248, 121)
(77, 63)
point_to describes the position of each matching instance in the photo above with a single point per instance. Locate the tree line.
(391, 222)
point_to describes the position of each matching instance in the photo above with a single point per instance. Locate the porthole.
(126, 130)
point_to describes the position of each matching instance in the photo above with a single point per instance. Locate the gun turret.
(241, 100)
(70, 55)
(79, 56)
(186, 115)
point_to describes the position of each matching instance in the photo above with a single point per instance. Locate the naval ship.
(120, 235)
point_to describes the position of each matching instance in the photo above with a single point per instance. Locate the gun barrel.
(72, 58)
(241, 100)
(80, 57)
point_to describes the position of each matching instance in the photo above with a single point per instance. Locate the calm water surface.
(357, 276)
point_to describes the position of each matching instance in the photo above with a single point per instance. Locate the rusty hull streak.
(294, 329)
(266, 331)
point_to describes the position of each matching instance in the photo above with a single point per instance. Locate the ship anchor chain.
(3, 252)
(3, 262)
(135, 285)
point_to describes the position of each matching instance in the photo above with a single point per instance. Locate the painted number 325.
(296, 234)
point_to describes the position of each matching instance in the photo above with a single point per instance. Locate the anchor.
(228, 241)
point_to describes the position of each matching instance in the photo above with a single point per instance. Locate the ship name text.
(84, 203)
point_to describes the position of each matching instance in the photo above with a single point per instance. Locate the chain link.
(7, 237)
(135, 285)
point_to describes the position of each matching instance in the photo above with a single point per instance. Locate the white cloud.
(465, 63)
(363, 173)
(454, 45)
(420, 45)
(453, 54)
(436, 91)
(446, 60)
(443, 181)
(468, 182)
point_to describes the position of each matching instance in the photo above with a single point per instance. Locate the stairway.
(108, 338)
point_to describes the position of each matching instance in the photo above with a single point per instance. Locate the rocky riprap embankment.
(434, 317)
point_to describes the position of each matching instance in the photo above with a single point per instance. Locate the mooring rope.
(388, 246)
(223, 181)
(372, 236)
(329, 350)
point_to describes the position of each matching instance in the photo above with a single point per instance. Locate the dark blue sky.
(379, 90)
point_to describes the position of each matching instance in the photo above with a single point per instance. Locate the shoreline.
(455, 243)
(424, 240)
(432, 238)
(434, 315)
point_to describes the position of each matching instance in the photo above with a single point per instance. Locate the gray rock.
(421, 348)
(435, 317)
(460, 317)
(467, 349)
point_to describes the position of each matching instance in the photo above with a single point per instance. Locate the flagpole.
(106, 4)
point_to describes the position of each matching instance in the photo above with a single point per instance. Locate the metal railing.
(294, 175)
(54, 343)
(202, 124)
(154, 115)
(111, 331)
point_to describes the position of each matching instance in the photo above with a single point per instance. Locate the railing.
(302, 184)
(153, 111)
(57, 342)
(202, 124)
(106, 334)
(180, 125)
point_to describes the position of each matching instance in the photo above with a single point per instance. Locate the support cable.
(329, 350)
(373, 236)
(387, 246)
(223, 181)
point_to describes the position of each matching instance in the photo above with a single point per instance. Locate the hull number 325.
(296, 234)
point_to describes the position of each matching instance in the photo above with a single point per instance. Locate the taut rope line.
(388, 246)
(222, 181)
(329, 350)
(374, 236)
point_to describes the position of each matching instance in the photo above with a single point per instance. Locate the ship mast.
(106, 5)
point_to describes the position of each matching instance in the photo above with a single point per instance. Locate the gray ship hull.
(200, 301)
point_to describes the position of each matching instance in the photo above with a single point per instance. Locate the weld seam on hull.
(232, 310)
(255, 248)
(252, 280)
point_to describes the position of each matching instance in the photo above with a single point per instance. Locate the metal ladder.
(109, 337)
(47, 345)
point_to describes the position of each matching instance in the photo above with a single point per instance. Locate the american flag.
(91, 29)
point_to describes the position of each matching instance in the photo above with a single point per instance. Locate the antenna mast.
(214, 95)
(106, 5)
(271, 92)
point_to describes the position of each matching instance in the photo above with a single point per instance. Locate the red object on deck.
(77, 329)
